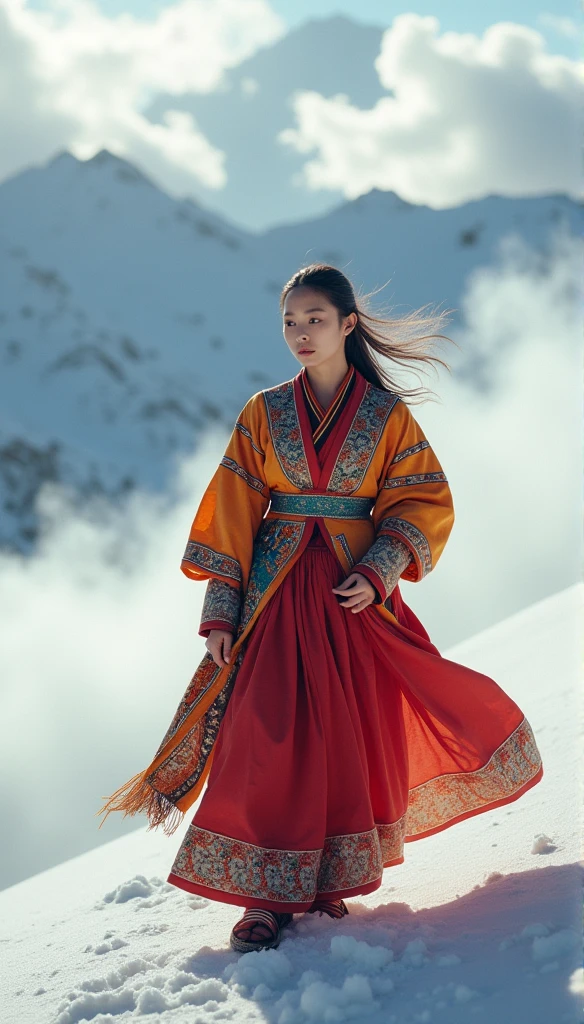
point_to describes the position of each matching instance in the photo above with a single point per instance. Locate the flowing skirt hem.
(281, 907)
(481, 809)
(243, 900)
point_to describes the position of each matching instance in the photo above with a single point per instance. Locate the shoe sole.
(243, 946)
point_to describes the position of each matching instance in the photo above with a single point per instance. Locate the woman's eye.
(314, 319)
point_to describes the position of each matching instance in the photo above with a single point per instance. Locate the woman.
(329, 727)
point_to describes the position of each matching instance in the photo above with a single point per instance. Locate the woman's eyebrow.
(316, 309)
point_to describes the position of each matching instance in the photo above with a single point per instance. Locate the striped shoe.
(264, 921)
(334, 908)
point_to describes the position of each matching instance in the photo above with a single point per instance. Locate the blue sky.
(450, 13)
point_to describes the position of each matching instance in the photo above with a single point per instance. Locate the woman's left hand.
(360, 592)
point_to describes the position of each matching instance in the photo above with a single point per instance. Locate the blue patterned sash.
(333, 506)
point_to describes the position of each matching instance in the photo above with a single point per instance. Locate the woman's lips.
(305, 351)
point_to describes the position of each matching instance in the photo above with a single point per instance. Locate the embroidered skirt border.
(231, 871)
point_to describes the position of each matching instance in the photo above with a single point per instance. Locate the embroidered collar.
(322, 420)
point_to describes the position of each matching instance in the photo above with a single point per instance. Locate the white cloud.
(99, 628)
(469, 116)
(73, 77)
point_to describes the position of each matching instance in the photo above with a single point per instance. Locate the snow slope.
(481, 922)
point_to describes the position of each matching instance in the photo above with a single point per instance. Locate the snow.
(543, 844)
(481, 922)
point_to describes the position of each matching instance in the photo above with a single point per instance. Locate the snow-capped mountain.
(129, 320)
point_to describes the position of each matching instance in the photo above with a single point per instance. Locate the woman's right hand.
(218, 643)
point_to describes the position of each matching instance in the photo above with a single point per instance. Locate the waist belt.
(334, 506)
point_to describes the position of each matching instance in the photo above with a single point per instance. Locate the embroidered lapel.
(339, 432)
(292, 444)
(361, 439)
(306, 429)
(321, 465)
(323, 421)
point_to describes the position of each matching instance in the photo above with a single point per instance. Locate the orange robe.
(384, 507)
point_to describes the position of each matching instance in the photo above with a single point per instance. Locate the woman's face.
(313, 330)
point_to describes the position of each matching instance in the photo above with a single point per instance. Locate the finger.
(352, 601)
(364, 597)
(361, 607)
(215, 654)
(357, 588)
(361, 588)
(227, 648)
(346, 584)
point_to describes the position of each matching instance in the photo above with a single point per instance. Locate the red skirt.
(342, 739)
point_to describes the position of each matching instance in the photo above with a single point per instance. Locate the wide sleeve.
(220, 544)
(414, 511)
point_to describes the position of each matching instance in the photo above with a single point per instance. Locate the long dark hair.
(397, 339)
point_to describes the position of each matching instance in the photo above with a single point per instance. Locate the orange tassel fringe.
(137, 796)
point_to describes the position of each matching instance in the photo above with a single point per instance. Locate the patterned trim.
(247, 433)
(414, 478)
(345, 546)
(285, 876)
(509, 768)
(412, 450)
(251, 481)
(326, 418)
(349, 861)
(286, 434)
(413, 537)
(362, 439)
(275, 543)
(388, 557)
(204, 677)
(355, 860)
(391, 841)
(184, 766)
(209, 560)
(230, 865)
(222, 601)
(332, 505)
